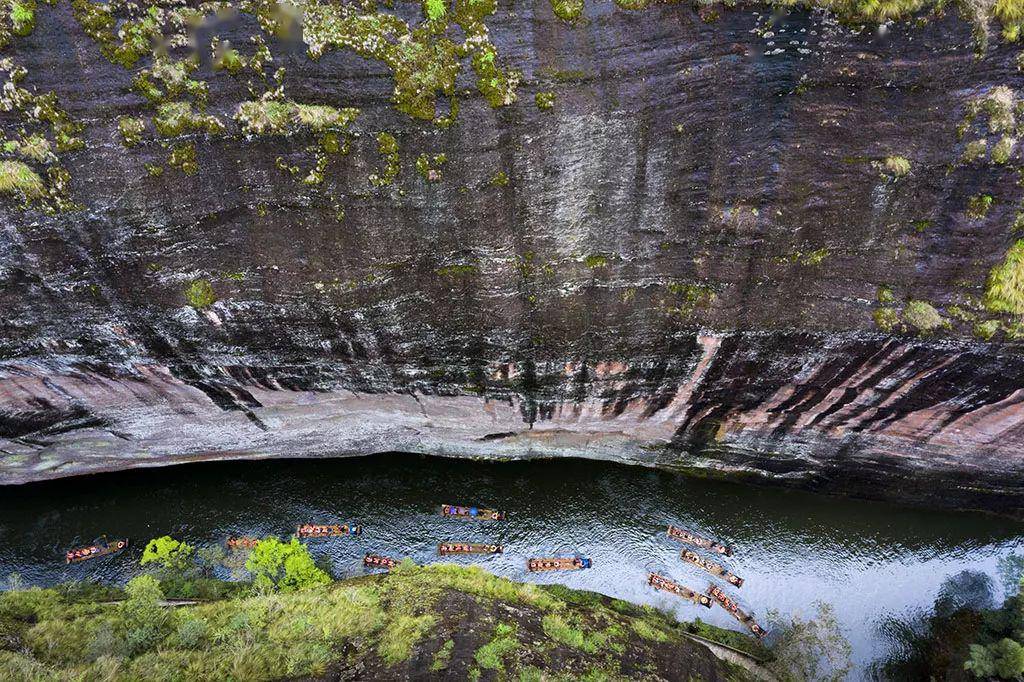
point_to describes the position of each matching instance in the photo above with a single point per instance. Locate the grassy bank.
(439, 621)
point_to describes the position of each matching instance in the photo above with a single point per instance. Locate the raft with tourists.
(467, 548)
(309, 530)
(99, 547)
(540, 565)
(685, 536)
(660, 582)
(244, 542)
(711, 567)
(472, 513)
(734, 609)
(379, 561)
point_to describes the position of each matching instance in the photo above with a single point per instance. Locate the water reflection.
(793, 548)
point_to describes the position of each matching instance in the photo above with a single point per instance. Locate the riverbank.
(436, 622)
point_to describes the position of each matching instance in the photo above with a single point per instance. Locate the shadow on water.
(868, 559)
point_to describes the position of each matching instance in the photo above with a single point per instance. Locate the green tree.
(813, 649)
(168, 554)
(142, 622)
(286, 565)
(1004, 659)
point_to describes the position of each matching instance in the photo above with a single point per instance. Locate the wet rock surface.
(681, 269)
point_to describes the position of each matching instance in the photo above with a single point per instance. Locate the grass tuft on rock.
(1004, 291)
(19, 179)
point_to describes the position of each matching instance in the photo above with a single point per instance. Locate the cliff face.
(738, 241)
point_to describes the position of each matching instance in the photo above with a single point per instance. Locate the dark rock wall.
(681, 270)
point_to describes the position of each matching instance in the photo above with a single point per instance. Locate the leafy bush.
(167, 554)
(287, 566)
(143, 622)
(1003, 659)
(434, 9)
(192, 632)
(936, 644)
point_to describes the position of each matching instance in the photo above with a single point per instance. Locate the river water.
(866, 559)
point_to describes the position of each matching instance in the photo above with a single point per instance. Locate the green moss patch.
(978, 206)
(567, 10)
(176, 118)
(199, 294)
(284, 117)
(423, 62)
(387, 146)
(131, 129)
(429, 166)
(923, 316)
(896, 166)
(183, 157)
(886, 319)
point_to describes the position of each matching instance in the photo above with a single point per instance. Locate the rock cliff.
(772, 242)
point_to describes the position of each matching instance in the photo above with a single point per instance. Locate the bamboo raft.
(660, 582)
(467, 548)
(309, 530)
(733, 608)
(242, 543)
(683, 535)
(379, 561)
(472, 513)
(711, 567)
(557, 564)
(99, 548)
